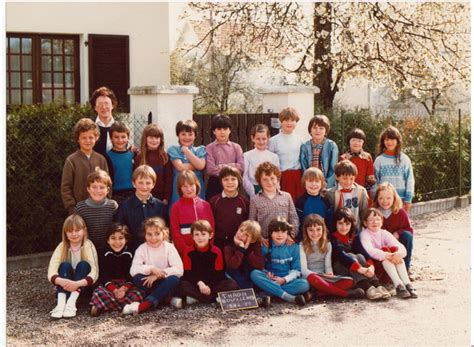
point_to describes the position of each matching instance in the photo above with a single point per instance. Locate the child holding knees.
(314, 200)
(116, 288)
(382, 246)
(152, 153)
(260, 135)
(348, 262)
(281, 276)
(185, 156)
(141, 205)
(120, 162)
(285, 144)
(395, 218)
(229, 208)
(80, 164)
(320, 152)
(394, 166)
(97, 210)
(156, 267)
(204, 273)
(221, 152)
(271, 202)
(316, 266)
(347, 193)
(189, 208)
(73, 266)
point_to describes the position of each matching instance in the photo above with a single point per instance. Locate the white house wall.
(146, 24)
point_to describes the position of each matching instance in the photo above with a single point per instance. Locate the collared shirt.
(263, 210)
(223, 153)
(100, 123)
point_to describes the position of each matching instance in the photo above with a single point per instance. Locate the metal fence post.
(150, 117)
(460, 153)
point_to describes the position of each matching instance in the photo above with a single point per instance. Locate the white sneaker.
(177, 302)
(69, 311)
(131, 308)
(191, 301)
(57, 312)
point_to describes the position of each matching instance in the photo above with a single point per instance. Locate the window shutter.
(109, 66)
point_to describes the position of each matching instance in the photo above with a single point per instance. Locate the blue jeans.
(68, 272)
(159, 290)
(406, 239)
(243, 280)
(295, 287)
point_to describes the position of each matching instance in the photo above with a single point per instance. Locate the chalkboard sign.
(238, 299)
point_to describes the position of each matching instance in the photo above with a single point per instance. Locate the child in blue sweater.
(281, 276)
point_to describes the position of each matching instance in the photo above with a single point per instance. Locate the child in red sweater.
(189, 208)
(203, 265)
(229, 208)
(395, 218)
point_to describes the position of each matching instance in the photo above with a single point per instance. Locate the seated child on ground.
(395, 218)
(316, 262)
(382, 246)
(156, 267)
(97, 210)
(204, 273)
(73, 266)
(281, 276)
(116, 288)
(347, 262)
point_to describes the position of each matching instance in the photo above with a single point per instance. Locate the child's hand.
(119, 293)
(71, 286)
(289, 241)
(148, 280)
(238, 242)
(370, 271)
(165, 202)
(203, 288)
(271, 276)
(185, 150)
(247, 243)
(330, 274)
(157, 272)
(407, 206)
(396, 235)
(396, 258)
(265, 242)
(279, 280)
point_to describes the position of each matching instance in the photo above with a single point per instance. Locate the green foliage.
(431, 143)
(39, 138)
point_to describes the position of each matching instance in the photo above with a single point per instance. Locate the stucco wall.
(146, 24)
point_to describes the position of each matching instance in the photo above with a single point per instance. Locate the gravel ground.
(441, 316)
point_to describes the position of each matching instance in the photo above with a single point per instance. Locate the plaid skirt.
(105, 301)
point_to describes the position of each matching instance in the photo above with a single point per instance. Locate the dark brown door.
(109, 66)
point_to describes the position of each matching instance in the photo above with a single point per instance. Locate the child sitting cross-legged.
(116, 289)
(156, 267)
(382, 246)
(281, 276)
(204, 273)
(347, 261)
(316, 263)
(73, 266)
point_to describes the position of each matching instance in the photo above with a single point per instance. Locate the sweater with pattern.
(283, 260)
(399, 174)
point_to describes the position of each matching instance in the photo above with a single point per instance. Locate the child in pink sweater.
(381, 245)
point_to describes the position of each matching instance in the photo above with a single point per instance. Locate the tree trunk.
(322, 69)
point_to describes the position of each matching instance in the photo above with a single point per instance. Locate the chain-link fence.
(39, 138)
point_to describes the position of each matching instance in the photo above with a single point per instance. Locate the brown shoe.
(94, 311)
(308, 296)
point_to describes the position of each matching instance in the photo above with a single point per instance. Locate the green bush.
(39, 138)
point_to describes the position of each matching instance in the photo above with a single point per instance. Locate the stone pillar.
(299, 97)
(168, 105)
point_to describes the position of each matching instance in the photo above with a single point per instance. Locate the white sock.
(402, 273)
(73, 298)
(288, 297)
(61, 300)
(391, 271)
